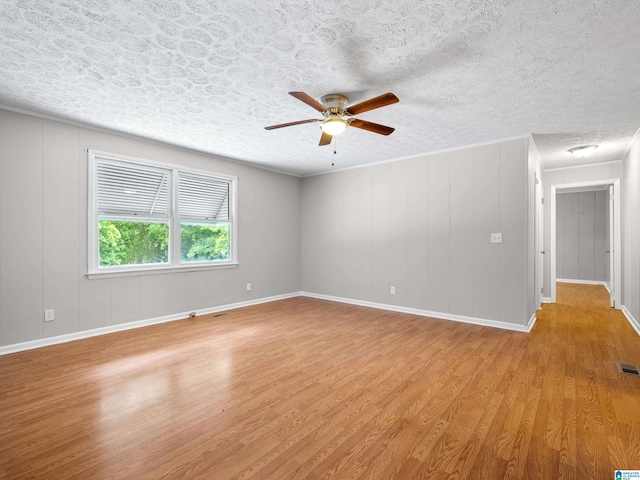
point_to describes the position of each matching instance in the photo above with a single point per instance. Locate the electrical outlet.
(496, 238)
(48, 315)
(248, 287)
(393, 290)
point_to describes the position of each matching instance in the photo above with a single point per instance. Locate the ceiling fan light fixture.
(583, 151)
(334, 126)
(333, 112)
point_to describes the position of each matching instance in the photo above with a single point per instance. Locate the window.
(146, 216)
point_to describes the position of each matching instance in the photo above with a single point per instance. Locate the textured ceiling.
(210, 75)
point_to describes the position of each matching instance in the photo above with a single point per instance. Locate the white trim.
(426, 313)
(616, 281)
(552, 244)
(546, 300)
(160, 269)
(143, 162)
(172, 217)
(70, 337)
(632, 321)
(582, 282)
(418, 155)
(150, 140)
(597, 188)
(583, 165)
(535, 147)
(617, 247)
(538, 241)
(591, 183)
(630, 146)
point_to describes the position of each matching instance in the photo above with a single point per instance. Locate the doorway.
(612, 246)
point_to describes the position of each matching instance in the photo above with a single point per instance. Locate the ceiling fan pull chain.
(334, 150)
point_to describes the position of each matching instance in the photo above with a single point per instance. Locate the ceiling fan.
(334, 108)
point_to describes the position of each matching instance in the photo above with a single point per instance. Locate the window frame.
(175, 264)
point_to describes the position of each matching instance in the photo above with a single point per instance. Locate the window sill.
(157, 271)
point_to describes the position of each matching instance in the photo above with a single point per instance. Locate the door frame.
(616, 280)
(539, 242)
(610, 244)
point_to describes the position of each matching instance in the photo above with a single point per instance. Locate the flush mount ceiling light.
(583, 151)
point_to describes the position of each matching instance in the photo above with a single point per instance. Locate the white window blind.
(131, 190)
(203, 198)
(149, 217)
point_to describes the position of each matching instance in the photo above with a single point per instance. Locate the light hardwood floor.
(305, 388)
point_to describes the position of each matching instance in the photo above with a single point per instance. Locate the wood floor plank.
(309, 389)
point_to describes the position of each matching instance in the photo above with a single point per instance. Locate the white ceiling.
(210, 75)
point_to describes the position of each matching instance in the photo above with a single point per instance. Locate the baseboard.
(634, 323)
(70, 337)
(582, 282)
(546, 300)
(425, 313)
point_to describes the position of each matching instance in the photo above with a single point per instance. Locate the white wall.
(423, 225)
(43, 236)
(581, 226)
(563, 176)
(631, 232)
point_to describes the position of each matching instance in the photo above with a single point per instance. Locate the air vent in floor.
(628, 369)
(218, 315)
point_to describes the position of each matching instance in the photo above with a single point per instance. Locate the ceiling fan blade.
(372, 103)
(300, 122)
(312, 102)
(372, 127)
(325, 139)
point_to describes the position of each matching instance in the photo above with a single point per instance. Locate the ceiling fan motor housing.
(335, 102)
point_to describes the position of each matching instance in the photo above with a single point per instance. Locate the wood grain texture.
(310, 389)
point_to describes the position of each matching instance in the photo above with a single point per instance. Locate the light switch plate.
(496, 238)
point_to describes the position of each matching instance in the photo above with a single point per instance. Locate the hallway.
(580, 339)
